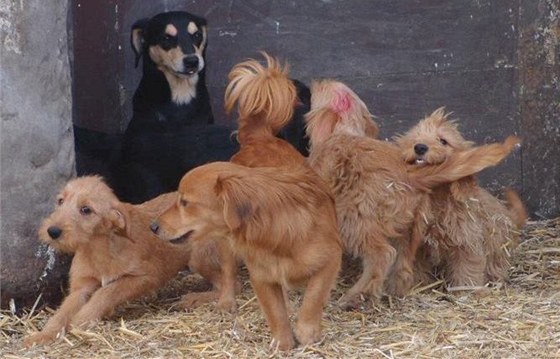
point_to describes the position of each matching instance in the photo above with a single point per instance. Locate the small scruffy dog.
(472, 231)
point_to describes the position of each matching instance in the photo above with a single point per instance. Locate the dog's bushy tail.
(336, 108)
(463, 164)
(517, 210)
(264, 95)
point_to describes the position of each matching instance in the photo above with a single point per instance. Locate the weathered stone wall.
(37, 149)
(539, 104)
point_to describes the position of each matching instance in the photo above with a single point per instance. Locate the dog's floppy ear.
(118, 216)
(320, 124)
(137, 39)
(237, 204)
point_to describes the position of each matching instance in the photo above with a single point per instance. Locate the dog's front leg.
(107, 298)
(71, 305)
(308, 327)
(271, 299)
(226, 300)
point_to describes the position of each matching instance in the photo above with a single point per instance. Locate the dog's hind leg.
(465, 267)
(60, 320)
(402, 277)
(271, 299)
(107, 298)
(377, 260)
(308, 327)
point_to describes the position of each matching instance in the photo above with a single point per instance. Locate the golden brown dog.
(265, 99)
(116, 256)
(472, 230)
(284, 229)
(281, 218)
(377, 199)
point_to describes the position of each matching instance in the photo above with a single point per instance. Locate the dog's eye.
(197, 35)
(60, 201)
(443, 141)
(85, 210)
(184, 202)
(167, 42)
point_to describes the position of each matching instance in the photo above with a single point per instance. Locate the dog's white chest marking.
(183, 90)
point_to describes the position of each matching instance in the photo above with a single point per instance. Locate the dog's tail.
(336, 108)
(463, 164)
(517, 210)
(264, 95)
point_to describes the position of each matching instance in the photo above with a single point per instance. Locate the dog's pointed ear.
(237, 204)
(137, 39)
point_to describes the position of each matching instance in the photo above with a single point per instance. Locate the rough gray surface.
(539, 104)
(37, 149)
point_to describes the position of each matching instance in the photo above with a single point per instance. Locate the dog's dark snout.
(420, 148)
(190, 62)
(154, 227)
(54, 232)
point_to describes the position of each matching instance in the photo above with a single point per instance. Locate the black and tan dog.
(172, 129)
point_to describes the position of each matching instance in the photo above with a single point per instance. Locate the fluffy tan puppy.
(116, 256)
(472, 232)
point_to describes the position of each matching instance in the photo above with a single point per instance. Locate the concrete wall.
(37, 144)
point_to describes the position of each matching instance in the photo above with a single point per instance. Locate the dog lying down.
(116, 256)
(284, 229)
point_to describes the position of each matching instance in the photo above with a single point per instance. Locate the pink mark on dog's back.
(342, 102)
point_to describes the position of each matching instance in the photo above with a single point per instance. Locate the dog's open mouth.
(419, 161)
(182, 239)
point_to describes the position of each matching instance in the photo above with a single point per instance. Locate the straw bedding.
(519, 319)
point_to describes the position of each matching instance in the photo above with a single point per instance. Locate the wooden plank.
(539, 104)
(404, 57)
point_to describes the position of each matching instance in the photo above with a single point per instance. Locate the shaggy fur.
(282, 219)
(284, 229)
(472, 232)
(116, 257)
(377, 199)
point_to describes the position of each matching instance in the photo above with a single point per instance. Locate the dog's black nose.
(154, 227)
(190, 63)
(420, 148)
(54, 232)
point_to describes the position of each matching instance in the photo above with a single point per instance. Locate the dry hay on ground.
(520, 319)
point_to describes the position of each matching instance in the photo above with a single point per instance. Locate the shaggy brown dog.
(282, 217)
(284, 229)
(472, 230)
(377, 199)
(116, 257)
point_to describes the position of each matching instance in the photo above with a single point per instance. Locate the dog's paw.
(195, 300)
(308, 333)
(283, 343)
(401, 283)
(228, 305)
(350, 302)
(39, 338)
